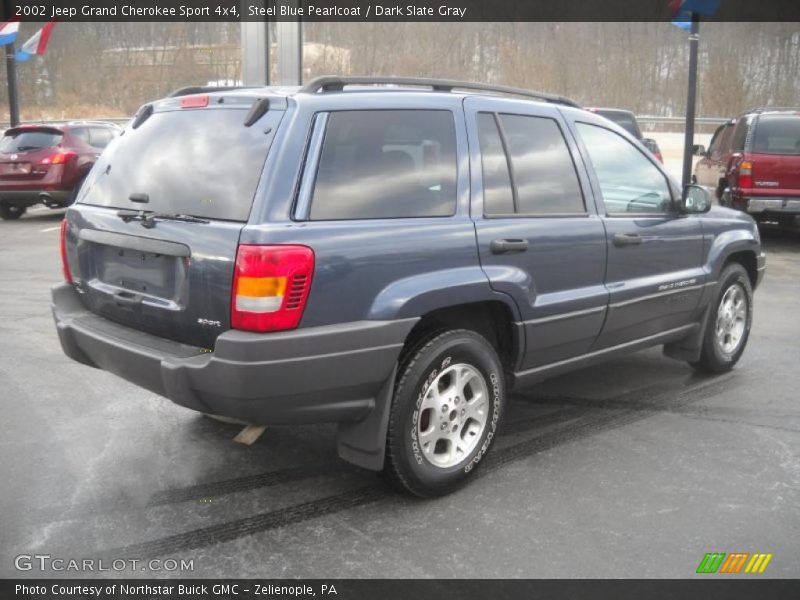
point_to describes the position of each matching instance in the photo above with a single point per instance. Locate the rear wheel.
(445, 412)
(9, 212)
(728, 325)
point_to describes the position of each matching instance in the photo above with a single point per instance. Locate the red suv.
(47, 163)
(753, 163)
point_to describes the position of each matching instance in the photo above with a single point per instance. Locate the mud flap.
(690, 347)
(364, 443)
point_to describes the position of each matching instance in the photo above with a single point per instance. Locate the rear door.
(539, 238)
(170, 277)
(654, 274)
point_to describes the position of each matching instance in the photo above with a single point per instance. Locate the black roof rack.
(337, 84)
(198, 89)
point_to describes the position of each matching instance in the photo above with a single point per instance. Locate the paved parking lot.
(635, 468)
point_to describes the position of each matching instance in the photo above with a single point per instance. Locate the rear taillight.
(270, 287)
(64, 261)
(746, 174)
(59, 158)
(659, 157)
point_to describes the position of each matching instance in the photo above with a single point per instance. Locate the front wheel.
(445, 412)
(728, 325)
(9, 212)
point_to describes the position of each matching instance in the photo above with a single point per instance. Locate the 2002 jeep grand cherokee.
(390, 258)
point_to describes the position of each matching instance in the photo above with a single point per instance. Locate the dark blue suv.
(392, 255)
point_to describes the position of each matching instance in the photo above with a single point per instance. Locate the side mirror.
(699, 150)
(695, 200)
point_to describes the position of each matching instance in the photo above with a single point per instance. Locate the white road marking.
(50, 229)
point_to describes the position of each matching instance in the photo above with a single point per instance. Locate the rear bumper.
(773, 204)
(322, 374)
(26, 198)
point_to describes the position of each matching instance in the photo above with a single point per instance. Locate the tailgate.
(173, 280)
(775, 154)
(776, 174)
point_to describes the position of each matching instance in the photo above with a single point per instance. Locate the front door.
(654, 274)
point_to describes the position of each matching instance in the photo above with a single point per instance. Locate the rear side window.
(739, 136)
(100, 137)
(777, 134)
(380, 164)
(625, 120)
(203, 163)
(498, 198)
(27, 141)
(542, 174)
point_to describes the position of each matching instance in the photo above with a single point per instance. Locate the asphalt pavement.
(633, 468)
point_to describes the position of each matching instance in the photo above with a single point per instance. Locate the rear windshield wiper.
(148, 219)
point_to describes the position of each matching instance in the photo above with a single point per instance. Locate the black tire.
(438, 361)
(714, 358)
(9, 212)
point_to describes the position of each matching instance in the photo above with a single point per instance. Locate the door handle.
(508, 246)
(127, 299)
(627, 239)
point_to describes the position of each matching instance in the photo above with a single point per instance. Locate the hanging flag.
(37, 44)
(707, 8)
(8, 32)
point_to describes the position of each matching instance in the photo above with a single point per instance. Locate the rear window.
(381, 164)
(624, 120)
(203, 163)
(27, 141)
(777, 134)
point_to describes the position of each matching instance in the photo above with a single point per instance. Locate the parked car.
(45, 164)
(627, 120)
(391, 259)
(753, 164)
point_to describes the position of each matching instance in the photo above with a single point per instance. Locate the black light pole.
(691, 98)
(11, 74)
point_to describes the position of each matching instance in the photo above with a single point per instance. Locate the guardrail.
(680, 120)
(115, 120)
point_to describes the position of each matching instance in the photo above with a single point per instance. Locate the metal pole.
(691, 98)
(255, 48)
(11, 74)
(289, 38)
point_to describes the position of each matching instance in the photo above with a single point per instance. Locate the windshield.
(777, 134)
(204, 163)
(26, 141)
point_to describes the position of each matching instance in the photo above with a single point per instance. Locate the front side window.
(379, 164)
(629, 182)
